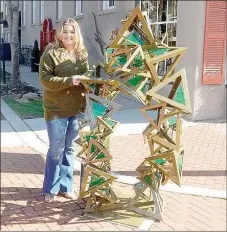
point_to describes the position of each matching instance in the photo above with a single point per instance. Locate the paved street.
(23, 208)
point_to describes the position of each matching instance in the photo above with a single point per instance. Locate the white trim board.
(146, 224)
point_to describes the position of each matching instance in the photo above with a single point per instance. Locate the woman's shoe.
(50, 198)
(71, 196)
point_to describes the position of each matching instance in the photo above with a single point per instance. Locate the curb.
(27, 136)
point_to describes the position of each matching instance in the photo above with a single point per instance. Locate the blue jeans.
(62, 133)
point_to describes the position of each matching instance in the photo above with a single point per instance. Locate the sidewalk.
(200, 204)
(23, 208)
(205, 147)
(26, 75)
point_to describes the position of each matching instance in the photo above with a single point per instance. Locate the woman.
(61, 66)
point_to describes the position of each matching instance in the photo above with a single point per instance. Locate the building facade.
(198, 25)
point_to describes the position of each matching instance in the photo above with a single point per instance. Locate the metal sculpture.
(131, 63)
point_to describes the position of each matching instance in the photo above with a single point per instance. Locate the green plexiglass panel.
(180, 164)
(122, 59)
(98, 109)
(133, 38)
(109, 51)
(96, 181)
(100, 156)
(127, 42)
(148, 180)
(179, 95)
(87, 139)
(143, 90)
(158, 51)
(139, 185)
(105, 191)
(160, 161)
(92, 86)
(158, 175)
(93, 149)
(138, 62)
(136, 38)
(135, 80)
(109, 122)
(172, 122)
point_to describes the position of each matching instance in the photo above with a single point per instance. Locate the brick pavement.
(204, 159)
(192, 213)
(22, 207)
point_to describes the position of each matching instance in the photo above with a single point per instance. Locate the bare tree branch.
(98, 36)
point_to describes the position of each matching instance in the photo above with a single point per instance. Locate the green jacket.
(60, 97)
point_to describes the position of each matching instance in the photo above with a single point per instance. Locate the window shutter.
(214, 56)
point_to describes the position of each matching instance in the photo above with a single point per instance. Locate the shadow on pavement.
(29, 208)
(31, 212)
(22, 163)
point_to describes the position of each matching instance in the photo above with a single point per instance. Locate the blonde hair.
(79, 48)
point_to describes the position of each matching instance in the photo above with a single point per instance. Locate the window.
(23, 12)
(59, 9)
(107, 5)
(6, 9)
(163, 18)
(41, 11)
(33, 12)
(2, 6)
(78, 7)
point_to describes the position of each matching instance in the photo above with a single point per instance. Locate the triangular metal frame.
(172, 157)
(103, 129)
(88, 170)
(164, 139)
(161, 107)
(180, 74)
(99, 201)
(152, 62)
(114, 108)
(136, 14)
(156, 201)
(100, 148)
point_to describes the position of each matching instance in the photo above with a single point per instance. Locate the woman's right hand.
(76, 81)
(78, 78)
